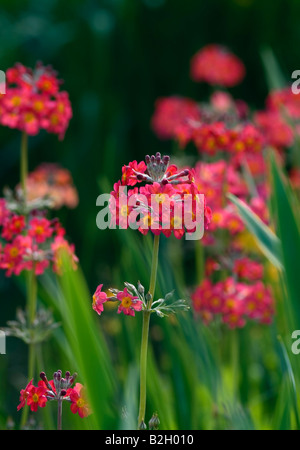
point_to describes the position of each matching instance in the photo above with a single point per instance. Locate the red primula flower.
(13, 226)
(36, 397)
(173, 113)
(99, 298)
(40, 229)
(33, 101)
(129, 304)
(79, 401)
(217, 66)
(24, 395)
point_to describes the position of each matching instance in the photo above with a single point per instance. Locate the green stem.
(31, 295)
(24, 162)
(59, 414)
(31, 312)
(235, 363)
(145, 333)
(154, 268)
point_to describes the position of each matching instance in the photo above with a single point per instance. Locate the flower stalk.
(24, 163)
(145, 334)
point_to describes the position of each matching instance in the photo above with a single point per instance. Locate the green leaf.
(274, 75)
(267, 241)
(285, 209)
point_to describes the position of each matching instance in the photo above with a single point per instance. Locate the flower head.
(99, 298)
(129, 303)
(216, 65)
(79, 403)
(167, 202)
(24, 395)
(33, 101)
(36, 397)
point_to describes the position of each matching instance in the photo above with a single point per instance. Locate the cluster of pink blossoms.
(216, 65)
(57, 389)
(53, 182)
(159, 204)
(279, 121)
(31, 243)
(217, 179)
(33, 101)
(230, 145)
(214, 128)
(235, 299)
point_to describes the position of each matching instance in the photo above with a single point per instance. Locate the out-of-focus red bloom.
(13, 226)
(52, 182)
(24, 395)
(13, 253)
(32, 243)
(294, 176)
(234, 302)
(247, 269)
(172, 113)
(61, 248)
(217, 66)
(78, 400)
(99, 298)
(277, 132)
(40, 229)
(129, 304)
(4, 212)
(284, 101)
(33, 101)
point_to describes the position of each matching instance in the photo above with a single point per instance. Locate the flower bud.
(142, 426)
(141, 288)
(154, 422)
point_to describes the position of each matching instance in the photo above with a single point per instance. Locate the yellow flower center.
(14, 252)
(29, 117)
(124, 211)
(176, 222)
(80, 402)
(38, 105)
(35, 398)
(54, 119)
(46, 85)
(16, 101)
(126, 302)
(39, 229)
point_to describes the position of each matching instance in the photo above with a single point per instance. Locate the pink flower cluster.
(33, 101)
(235, 302)
(279, 121)
(38, 396)
(216, 65)
(160, 202)
(214, 130)
(172, 113)
(31, 243)
(53, 182)
(217, 179)
(230, 143)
